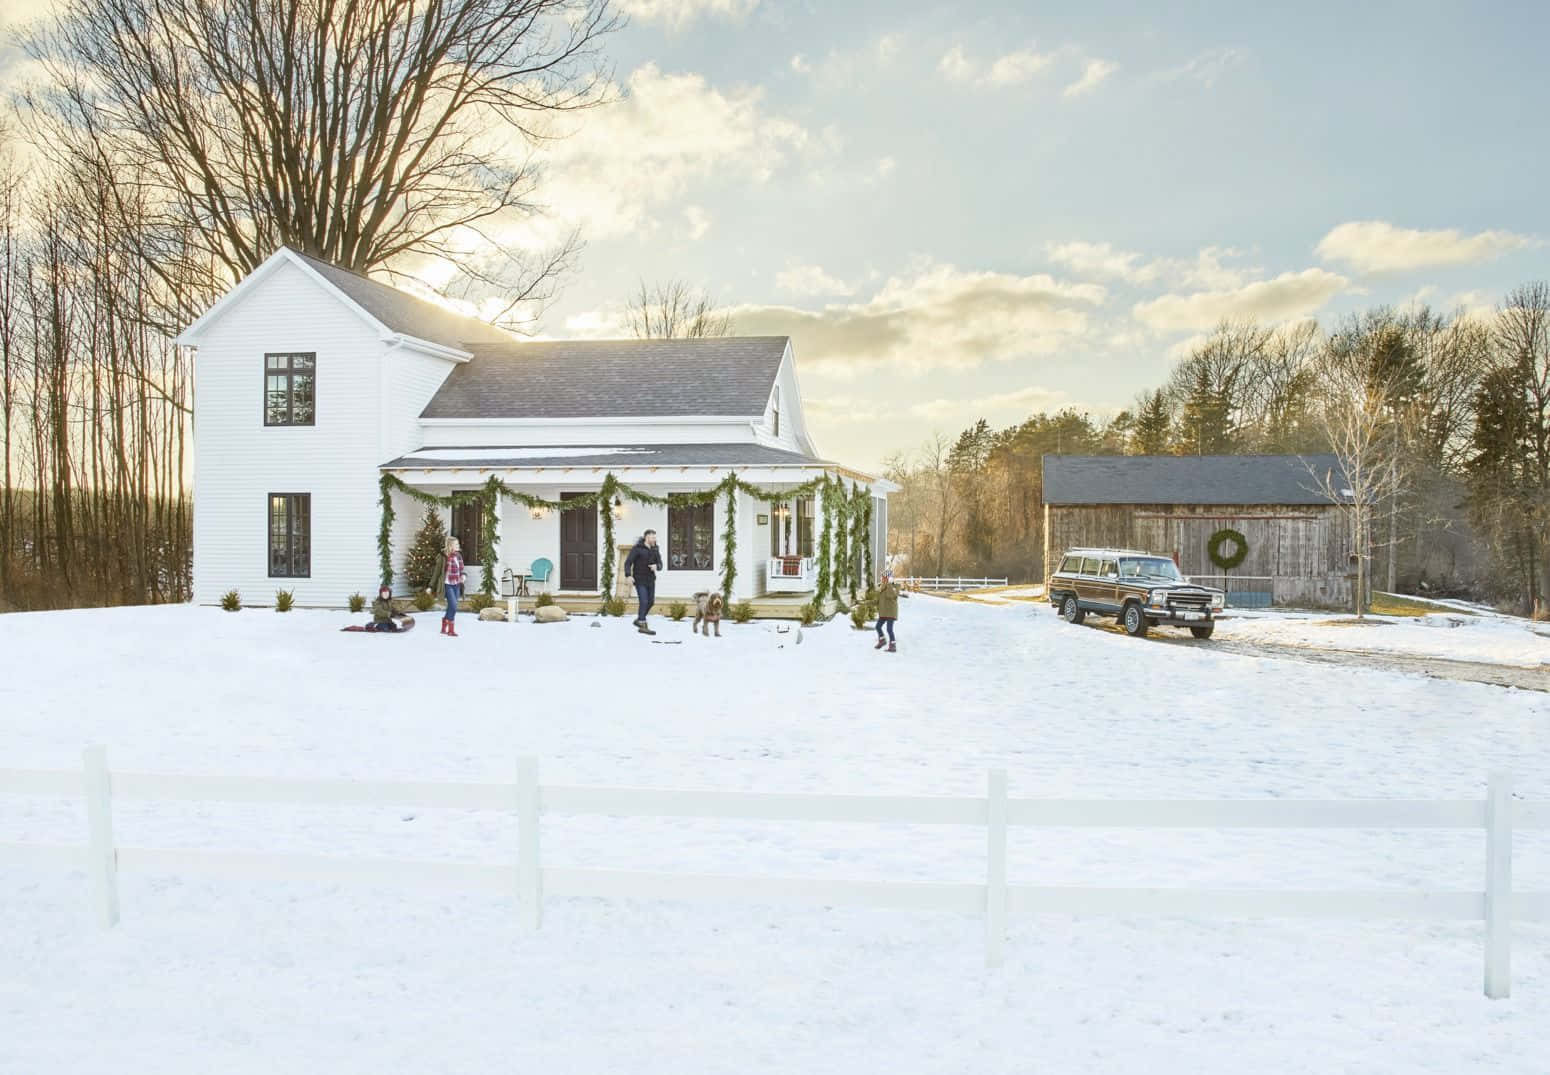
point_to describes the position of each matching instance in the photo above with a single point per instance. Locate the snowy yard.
(1451, 635)
(209, 975)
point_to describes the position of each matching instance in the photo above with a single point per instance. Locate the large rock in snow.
(492, 614)
(550, 614)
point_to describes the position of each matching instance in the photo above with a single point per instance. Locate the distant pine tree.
(426, 553)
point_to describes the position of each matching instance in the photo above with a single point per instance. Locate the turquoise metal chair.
(540, 571)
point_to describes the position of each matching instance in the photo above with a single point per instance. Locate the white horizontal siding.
(238, 461)
(413, 378)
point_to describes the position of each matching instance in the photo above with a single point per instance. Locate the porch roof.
(548, 457)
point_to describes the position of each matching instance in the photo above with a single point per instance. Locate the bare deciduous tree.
(358, 131)
(675, 311)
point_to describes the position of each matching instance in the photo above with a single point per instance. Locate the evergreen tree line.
(1444, 417)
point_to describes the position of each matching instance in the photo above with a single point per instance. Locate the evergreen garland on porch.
(826, 502)
(841, 540)
(494, 489)
(729, 548)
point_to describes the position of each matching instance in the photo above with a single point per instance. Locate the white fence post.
(529, 877)
(1498, 886)
(995, 868)
(101, 858)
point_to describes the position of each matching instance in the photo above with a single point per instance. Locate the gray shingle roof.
(730, 376)
(646, 455)
(1185, 479)
(403, 312)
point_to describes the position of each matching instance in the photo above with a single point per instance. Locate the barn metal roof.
(1187, 479)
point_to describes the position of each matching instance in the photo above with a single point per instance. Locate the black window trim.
(269, 536)
(290, 389)
(478, 535)
(710, 508)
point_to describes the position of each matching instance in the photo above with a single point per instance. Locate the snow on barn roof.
(730, 376)
(1186, 479)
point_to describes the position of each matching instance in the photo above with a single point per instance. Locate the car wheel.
(1203, 632)
(1070, 611)
(1134, 621)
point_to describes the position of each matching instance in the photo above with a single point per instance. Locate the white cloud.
(956, 66)
(937, 318)
(1003, 406)
(683, 12)
(19, 12)
(1016, 67)
(628, 160)
(800, 64)
(1288, 295)
(1092, 75)
(1105, 262)
(1206, 68)
(1376, 246)
(805, 280)
(1008, 70)
(698, 221)
(998, 408)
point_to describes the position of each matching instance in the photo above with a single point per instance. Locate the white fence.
(914, 582)
(1497, 905)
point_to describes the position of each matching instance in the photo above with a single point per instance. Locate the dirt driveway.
(1500, 675)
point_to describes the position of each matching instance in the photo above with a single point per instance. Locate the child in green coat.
(887, 611)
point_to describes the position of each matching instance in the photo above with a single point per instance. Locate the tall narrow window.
(691, 537)
(290, 535)
(776, 406)
(805, 526)
(468, 528)
(290, 389)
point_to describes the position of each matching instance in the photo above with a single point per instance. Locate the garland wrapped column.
(841, 541)
(729, 547)
(826, 505)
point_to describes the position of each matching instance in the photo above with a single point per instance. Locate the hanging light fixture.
(539, 511)
(618, 508)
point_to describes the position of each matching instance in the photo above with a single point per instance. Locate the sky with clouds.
(985, 209)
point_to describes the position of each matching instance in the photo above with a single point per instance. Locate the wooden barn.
(1296, 549)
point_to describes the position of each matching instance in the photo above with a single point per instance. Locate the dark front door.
(578, 546)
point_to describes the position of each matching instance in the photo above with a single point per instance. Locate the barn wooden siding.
(1303, 549)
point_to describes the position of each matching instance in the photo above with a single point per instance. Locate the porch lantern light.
(539, 511)
(618, 508)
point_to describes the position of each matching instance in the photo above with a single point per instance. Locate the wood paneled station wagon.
(1139, 589)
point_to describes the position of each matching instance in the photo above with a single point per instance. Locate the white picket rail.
(920, 582)
(528, 881)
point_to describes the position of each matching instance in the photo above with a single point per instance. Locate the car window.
(1108, 570)
(1089, 565)
(1071, 564)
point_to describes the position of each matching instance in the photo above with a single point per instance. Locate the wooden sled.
(405, 623)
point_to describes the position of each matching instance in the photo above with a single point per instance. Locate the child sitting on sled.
(382, 612)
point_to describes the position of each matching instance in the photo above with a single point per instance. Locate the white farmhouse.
(312, 381)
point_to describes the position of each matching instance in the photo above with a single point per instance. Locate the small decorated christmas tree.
(425, 555)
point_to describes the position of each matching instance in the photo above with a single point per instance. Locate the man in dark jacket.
(642, 565)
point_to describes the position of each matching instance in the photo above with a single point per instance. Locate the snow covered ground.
(1452, 635)
(211, 975)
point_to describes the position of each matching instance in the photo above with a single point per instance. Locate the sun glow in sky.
(985, 209)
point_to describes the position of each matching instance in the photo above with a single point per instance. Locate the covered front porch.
(571, 552)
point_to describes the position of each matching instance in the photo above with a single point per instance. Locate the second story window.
(290, 389)
(776, 406)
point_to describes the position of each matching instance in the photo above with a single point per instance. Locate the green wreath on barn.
(1218, 547)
